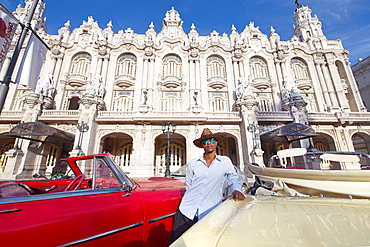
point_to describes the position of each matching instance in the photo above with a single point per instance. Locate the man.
(204, 182)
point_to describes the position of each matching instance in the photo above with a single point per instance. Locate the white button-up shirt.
(204, 185)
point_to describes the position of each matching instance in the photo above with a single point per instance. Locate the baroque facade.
(112, 91)
(361, 71)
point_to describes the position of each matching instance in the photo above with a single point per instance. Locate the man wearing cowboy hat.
(204, 182)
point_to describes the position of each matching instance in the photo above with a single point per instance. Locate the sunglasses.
(212, 140)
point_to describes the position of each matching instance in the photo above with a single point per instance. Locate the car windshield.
(180, 172)
(322, 161)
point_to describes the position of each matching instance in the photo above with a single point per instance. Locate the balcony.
(303, 83)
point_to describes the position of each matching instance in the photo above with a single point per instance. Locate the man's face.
(209, 145)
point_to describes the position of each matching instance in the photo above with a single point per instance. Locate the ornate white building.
(120, 87)
(361, 71)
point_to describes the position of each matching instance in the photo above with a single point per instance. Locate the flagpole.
(4, 87)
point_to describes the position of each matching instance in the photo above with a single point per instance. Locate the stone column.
(58, 67)
(23, 162)
(323, 86)
(331, 91)
(99, 66)
(89, 106)
(151, 71)
(241, 68)
(283, 68)
(252, 147)
(105, 69)
(53, 63)
(343, 101)
(236, 70)
(354, 87)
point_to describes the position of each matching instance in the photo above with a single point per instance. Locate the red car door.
(108, 214)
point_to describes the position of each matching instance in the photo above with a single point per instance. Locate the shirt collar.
(218, 157)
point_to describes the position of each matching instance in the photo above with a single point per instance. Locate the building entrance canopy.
(36, 131)
(289, 133)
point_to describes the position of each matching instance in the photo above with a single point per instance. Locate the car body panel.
(108, 209)
(282, 221)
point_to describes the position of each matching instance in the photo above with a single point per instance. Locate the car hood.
(282, 221)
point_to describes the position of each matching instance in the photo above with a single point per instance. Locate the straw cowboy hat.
(207, 134)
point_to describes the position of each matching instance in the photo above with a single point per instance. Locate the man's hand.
(237, 196)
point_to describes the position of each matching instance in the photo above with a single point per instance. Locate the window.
(258, 68)
(19, 99)
(3, 157)
(126, 66)
(216, 67)
(299, 69)
(71, 100)
(122, 156)
(81, 65)
(265, 102)
(171, 101)
(177, 154)
(218, 102)
(171, 66)
(123, 101)
(51, 159)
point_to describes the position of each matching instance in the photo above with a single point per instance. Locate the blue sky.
(347, 20)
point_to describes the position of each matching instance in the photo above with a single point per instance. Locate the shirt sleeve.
(232, 176)
(189, 174)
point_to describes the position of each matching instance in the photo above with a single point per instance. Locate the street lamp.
(253, 129)
(82, 127)
(168, 129)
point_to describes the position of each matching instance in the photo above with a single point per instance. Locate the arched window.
(171, 66)
(3, 156)
(177, 155)
(81, 65)
(218, 102)
(123, 101)
(299, 69)
(216, 67)
(258, 68)
(171, 101)
(265, 102)
(126, 66)
(123, 159)
(71, 100)
(360, 144)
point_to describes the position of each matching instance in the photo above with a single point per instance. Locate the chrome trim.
(160, 218)
(10, 211)
(101, 235)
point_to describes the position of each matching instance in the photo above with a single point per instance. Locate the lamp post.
(82, 127)
(253, 128)
(168, 129)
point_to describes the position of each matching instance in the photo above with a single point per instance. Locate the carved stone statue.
(96, 87)
(289, 90)
(244, 90)
(45, 86)
(298, 4)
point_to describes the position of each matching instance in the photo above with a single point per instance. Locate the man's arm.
(234, 182)
(189, 174)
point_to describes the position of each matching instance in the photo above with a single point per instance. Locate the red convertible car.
(88, 201)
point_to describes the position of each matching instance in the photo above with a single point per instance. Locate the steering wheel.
(80, 177)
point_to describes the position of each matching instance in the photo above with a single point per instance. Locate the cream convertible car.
(303, 199)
